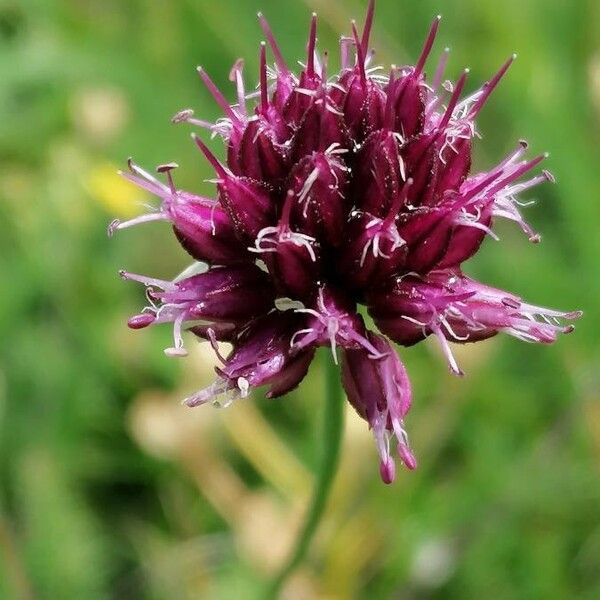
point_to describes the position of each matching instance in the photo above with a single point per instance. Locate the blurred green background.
(109, 488)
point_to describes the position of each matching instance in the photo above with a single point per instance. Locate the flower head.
(338, 190)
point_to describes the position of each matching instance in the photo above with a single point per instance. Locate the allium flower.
(339, 190)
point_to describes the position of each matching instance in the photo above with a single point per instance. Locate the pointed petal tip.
(428, 44)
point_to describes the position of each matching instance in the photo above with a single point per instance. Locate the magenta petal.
(293, 266)
(248, 204)
(380, 392)
(318, 184)
(457, 163)
(207, 234)
(291, 376)
(262, 354)
(374, 250)
(320, 128)
(260, 157)
(466, 239)
(378, 173)
(408, 105)
(458, 309)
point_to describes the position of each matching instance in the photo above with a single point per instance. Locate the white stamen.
(447, 351)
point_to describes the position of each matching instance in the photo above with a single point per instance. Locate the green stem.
(333, 421)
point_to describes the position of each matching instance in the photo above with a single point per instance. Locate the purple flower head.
(336, 190)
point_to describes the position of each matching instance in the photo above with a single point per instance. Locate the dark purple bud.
(261, 356)
(458, 309)
(333, 321)
(426, 156)
(406, 95)
(310, 82)
(402, 309)
(374, 247)
(318, 184)
(321, 129)
(420, 155)
(260, 157)
(231, 294)
(378, 173)
(293, 264)
(374, 112)
(247, 202)
(427, 234)
(380, 392)
(291, 257)
(228, 294)
(471, 225)
(363, 105)
(205, 231)
(291, 375)
(456, 163)
(362, 100)
(406, 104)
(433, 233)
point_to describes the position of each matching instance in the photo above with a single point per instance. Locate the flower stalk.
(331, 438)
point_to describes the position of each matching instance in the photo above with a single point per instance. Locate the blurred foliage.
(110, 489)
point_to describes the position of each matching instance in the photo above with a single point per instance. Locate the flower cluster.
(340, 190)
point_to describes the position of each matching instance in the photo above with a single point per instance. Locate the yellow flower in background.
(115, 194)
